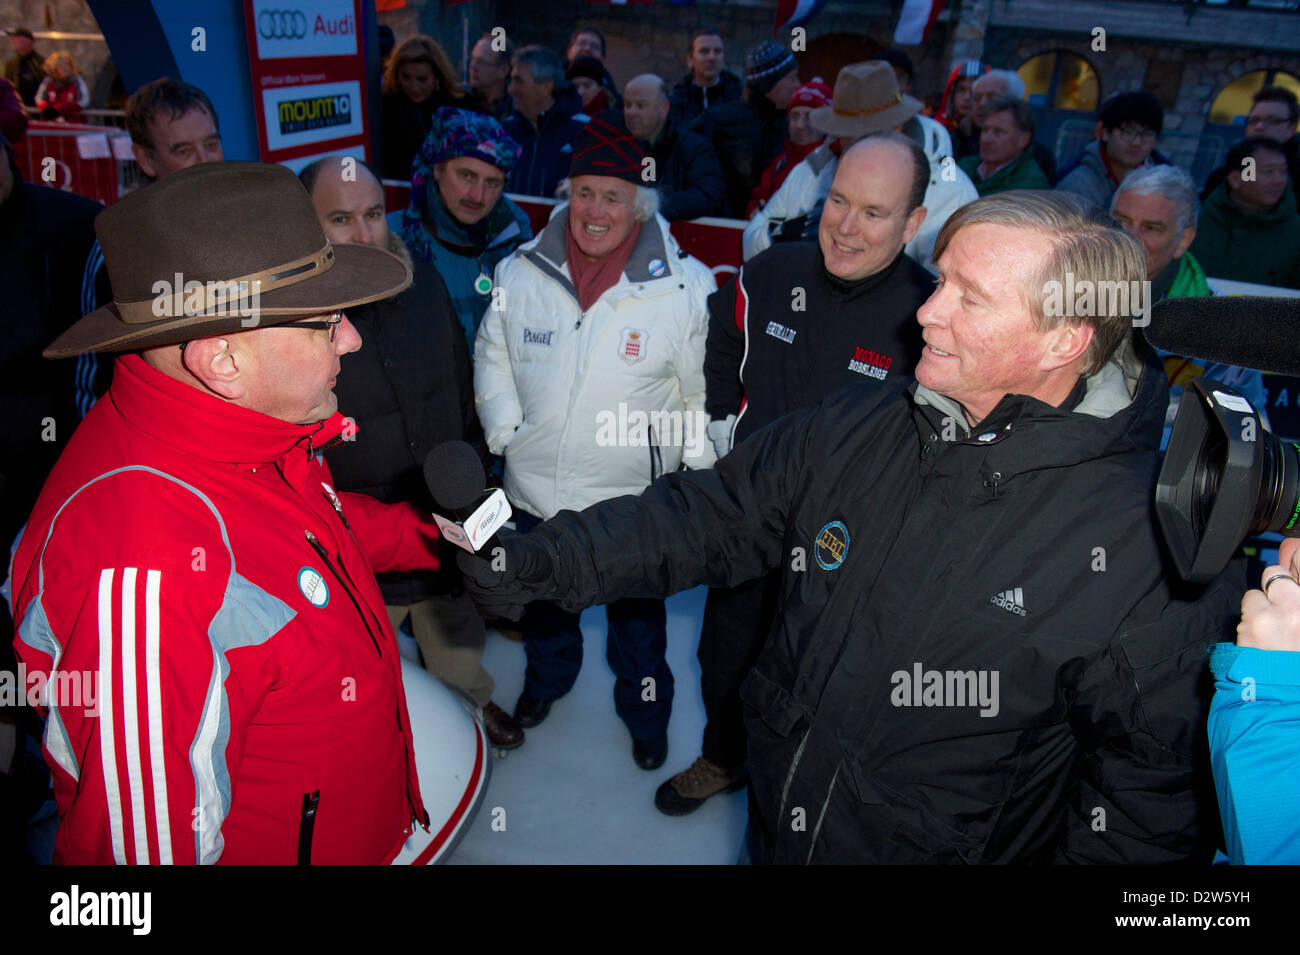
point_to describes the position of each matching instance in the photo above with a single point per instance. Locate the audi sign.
(304, 29)
(282, 25)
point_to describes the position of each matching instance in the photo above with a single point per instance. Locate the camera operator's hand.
(503, 582)
(1270, 619)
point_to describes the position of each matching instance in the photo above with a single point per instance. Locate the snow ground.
(573, 795)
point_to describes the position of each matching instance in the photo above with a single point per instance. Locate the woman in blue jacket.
(1255, 720)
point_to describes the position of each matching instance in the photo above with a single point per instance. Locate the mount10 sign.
(308, 78)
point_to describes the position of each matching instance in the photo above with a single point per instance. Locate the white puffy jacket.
(587, 406)
(810, 182)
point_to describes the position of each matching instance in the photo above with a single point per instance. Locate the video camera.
(1225, 477)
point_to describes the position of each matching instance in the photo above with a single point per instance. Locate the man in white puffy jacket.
(866, 100)
(589, 379)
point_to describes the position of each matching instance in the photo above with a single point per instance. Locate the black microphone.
(1250, 331)
(456, 480)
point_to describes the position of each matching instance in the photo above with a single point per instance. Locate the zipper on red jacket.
(310, 801)
(324, 556)
(320, 552)
(338, 508)
(416, 812)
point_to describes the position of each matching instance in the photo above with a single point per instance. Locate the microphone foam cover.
(1250, 331)
(454, 474)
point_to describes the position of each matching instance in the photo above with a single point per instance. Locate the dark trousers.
(634, 647)
(736, 622)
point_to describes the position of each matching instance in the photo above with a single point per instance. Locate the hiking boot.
(686, 791)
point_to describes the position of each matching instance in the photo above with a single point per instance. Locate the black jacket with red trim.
(785, 333)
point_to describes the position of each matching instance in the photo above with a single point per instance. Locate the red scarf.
(592, 279)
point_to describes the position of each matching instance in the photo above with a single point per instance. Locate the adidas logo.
(1012, 600)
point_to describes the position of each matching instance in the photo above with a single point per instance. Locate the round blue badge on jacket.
(313, 587)
(832, 545)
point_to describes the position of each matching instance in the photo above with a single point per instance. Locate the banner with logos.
(308, 70)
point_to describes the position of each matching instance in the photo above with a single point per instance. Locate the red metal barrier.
(84, 159)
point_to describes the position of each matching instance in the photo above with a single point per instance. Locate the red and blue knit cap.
(458, 132)
(605, 147)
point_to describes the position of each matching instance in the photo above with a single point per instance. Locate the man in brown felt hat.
(190, 559)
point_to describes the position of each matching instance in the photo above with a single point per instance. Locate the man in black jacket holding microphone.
(980, 654)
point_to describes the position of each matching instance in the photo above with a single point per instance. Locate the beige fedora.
(218, 248)
(865, 100)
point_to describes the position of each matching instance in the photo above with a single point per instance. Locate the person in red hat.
(589, 379)
(236, 691)
(801, 139)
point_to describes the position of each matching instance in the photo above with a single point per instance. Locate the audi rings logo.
(282, 24)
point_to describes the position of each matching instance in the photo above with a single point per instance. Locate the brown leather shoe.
(502, 730)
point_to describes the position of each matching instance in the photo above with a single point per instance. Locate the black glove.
(502, 582)
(800, 228)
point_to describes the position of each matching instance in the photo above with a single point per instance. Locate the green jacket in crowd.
(1232, 243)
(1024, 173)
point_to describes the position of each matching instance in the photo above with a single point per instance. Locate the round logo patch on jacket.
(314, 588)
(832, 545)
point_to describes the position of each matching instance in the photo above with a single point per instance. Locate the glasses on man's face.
(332, 323)
(1268, 121)
(1136, 134)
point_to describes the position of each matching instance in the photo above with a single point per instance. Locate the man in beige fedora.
(865, 100)
(239, 696)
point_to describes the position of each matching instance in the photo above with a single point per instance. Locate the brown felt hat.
(218, 248)
(866, 100)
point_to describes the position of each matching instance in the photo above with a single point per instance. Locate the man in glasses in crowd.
(1128, 126)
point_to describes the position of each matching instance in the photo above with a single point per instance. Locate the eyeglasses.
(1134, 133)
(332, 323)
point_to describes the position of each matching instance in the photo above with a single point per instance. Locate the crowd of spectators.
(762, 144)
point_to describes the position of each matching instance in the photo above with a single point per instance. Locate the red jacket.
(240, 695)
(66, 98)
(776, 173)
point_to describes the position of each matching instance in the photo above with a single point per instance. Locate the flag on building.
(795, 13)
(916, 21)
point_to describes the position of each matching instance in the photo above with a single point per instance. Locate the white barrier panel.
(453, 760)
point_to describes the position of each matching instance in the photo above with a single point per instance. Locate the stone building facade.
(1207, 47)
